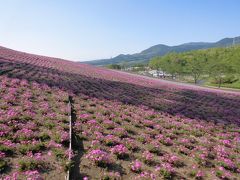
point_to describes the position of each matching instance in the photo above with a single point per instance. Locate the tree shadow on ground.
(77, 146)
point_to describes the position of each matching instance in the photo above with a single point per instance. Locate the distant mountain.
(160, 50)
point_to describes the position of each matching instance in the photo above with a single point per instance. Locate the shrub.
(174, 160)
(99, 157)
(90, 110)
(108, 124)
(130, 130)
(167, 142)
(59, 153)
(49, 125)
(44, 136)
(111, 140)
(131, 144)
(155, 148)
(141, 139)
(136, 166)
(6, 149)
(120, 151)
(147, 157)
(30, 164)
(192, 173)
(166, 170)
(120, 132)
(23, 149)
(166, 174)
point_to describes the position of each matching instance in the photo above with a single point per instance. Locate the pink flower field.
(124, 126)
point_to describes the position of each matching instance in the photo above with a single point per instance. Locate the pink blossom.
(136, 166)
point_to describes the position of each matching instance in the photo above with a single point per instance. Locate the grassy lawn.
(235, 85)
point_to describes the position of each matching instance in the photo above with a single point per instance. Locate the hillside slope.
(160, 50)
(124, 126)
(33, 121)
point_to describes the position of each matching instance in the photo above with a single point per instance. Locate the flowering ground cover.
(125, 126)
(201, 104)
(33, 130)
(137, 142)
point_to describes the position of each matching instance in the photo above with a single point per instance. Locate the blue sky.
(95, 29)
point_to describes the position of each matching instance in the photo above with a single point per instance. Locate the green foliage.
(166, 174)
(67, 165)
(7, 150)
(23, 149)
(114, 66)
(44, 136)
(30, 164)
(155, 149)
(159, 50)
(228, 79)
(171, 63)
(49, 125)
(222, 65)
(59, 153)
(195, 64)
(193, 173)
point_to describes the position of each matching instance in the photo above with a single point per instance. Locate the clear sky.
(95, 29)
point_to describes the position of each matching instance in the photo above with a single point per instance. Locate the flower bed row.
(131, 127)
(129, 142)
(33, 130)
(191, 102)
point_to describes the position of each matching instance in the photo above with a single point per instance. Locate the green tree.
(219, 66)
(196, 63)
(114, 66)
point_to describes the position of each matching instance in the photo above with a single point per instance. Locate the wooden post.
(70, 135)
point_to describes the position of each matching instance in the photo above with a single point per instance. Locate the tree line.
(222, 65)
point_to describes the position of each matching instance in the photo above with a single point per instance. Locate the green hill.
(160, 50)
